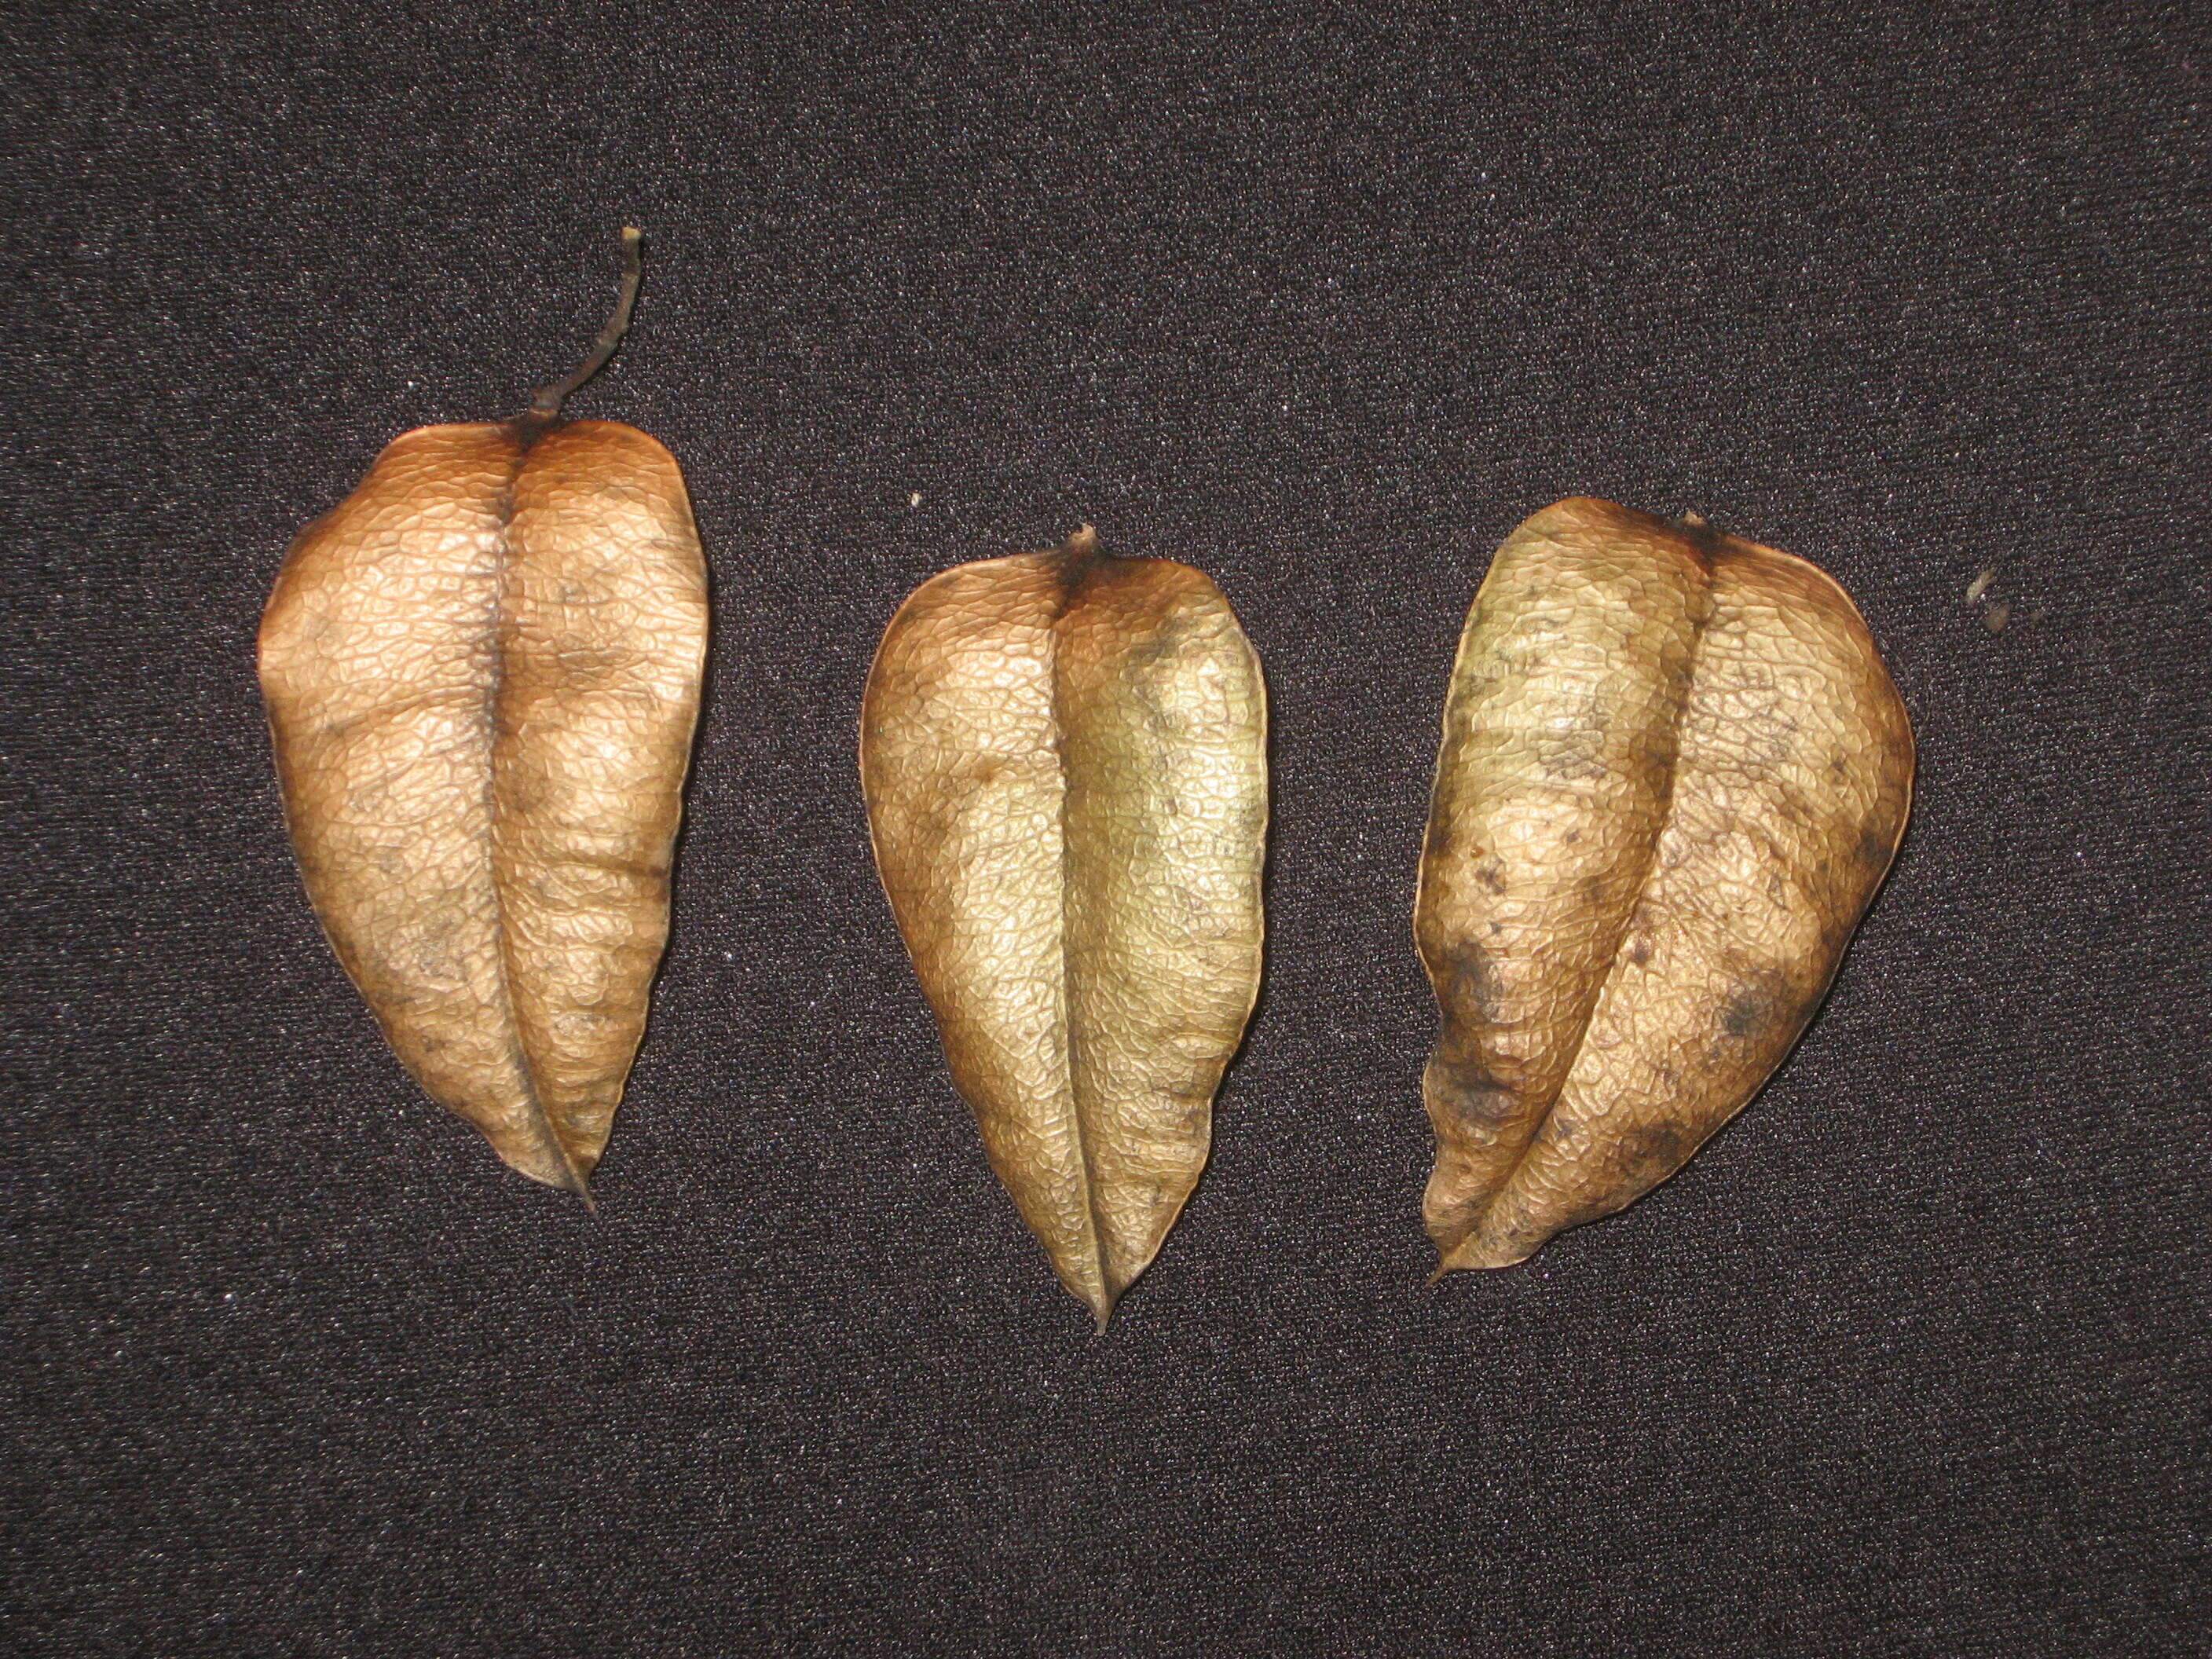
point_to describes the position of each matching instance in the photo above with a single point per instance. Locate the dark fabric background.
(1908, 1361)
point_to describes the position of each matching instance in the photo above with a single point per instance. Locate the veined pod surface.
(483, 673)
(1673, 772)
(1065, 760)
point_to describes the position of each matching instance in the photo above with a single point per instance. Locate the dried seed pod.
(1064, 755)
(1673, 772)
(483, 673)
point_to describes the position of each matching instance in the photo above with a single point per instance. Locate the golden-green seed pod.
(1065, 759)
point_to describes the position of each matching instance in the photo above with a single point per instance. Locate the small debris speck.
(1980, 585)
(1998, 613)
(914, 500)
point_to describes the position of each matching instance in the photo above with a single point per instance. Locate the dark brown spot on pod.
(1748, 1013)
(1878, 845)
(1468, 985)
(1470, 1091)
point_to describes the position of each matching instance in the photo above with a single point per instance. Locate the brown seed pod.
(1064, 755)
(482, 674)
(1673, 772)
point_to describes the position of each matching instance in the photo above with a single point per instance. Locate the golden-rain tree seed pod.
(482, 674)
(1065, 759)
(1673, 774)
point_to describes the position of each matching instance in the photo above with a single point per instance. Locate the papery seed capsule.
(1065, 759)
(1673, 772)
(483, 673)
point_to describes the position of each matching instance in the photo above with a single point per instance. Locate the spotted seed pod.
(1673, 772)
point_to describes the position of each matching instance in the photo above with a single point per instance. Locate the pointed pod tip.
(1470, 1255)
(1102, 1305)
(550, 1166)
(581, 1188)
(1084, 541)
(1475, 1251)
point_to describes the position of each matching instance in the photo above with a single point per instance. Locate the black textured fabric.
(1910, 1361)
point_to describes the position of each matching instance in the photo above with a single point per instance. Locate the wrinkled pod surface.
(1673, 772)
(482, 673)
(1064, 757)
